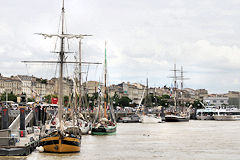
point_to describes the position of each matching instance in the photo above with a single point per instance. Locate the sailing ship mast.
(104, 126)
(62, 58)
(105, 82)
(62, 55)
(146, 98)
(182, 79)
(80, 75)
(174, 77)
(175, 86)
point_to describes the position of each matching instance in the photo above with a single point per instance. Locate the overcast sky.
(144, 39)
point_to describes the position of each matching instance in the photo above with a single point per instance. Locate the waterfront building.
(50, 87)
(10, 85)
(234, 98)
(216, 101)
(201, 93)
(39, 88)
(67, 86)
(91, 87)
(26, 84)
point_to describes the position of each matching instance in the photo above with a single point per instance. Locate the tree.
(115, 100)
(164, 100)
(31, 100)
(148, 100)
(124, 101)
(94, 97)
(48, 98)
(11, 97)
(44, 81)
(196, 104)
(66, 100)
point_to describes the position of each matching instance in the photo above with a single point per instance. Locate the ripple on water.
(212, 140)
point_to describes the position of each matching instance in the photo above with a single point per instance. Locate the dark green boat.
(102, 125)
(101, 129)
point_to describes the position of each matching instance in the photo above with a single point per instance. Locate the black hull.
(129, 121)
(176, 119)
(16, 151)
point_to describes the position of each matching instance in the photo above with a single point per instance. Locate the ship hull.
(104, 130)
(58, 144)
(176, 119)
(85, 127)
(208, 117)
(150, 119)
(227, 117)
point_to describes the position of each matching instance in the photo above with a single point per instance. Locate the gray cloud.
(145, 38)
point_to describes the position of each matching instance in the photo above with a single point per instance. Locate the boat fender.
(40, 149)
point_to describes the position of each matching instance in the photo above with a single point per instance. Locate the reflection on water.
(165, 141)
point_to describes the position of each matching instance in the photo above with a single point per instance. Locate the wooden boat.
(176, 118)
(103, 125)
(61, 143)
(62, 140)
(178, 113)
(145, 116)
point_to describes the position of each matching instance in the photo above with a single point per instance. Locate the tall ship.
(104, 125)
(65, 138)
(177, 113)
(83, 122)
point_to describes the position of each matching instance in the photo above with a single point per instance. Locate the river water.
(194, 140)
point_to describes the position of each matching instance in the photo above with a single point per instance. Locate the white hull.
(85, 130)
(150, 119)
(227, 117)
(208, 117)
(85, 126)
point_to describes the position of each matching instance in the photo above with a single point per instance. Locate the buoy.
(40, 149)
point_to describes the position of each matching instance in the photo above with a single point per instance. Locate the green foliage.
(31, 100)
(165, 96)
(44, 81)
(47, 98)
(148, 100)
(164, 100)
(196, 104)
(94, 97)
(11, 97)
(66, 100)
(124, 101)
(115, 99)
